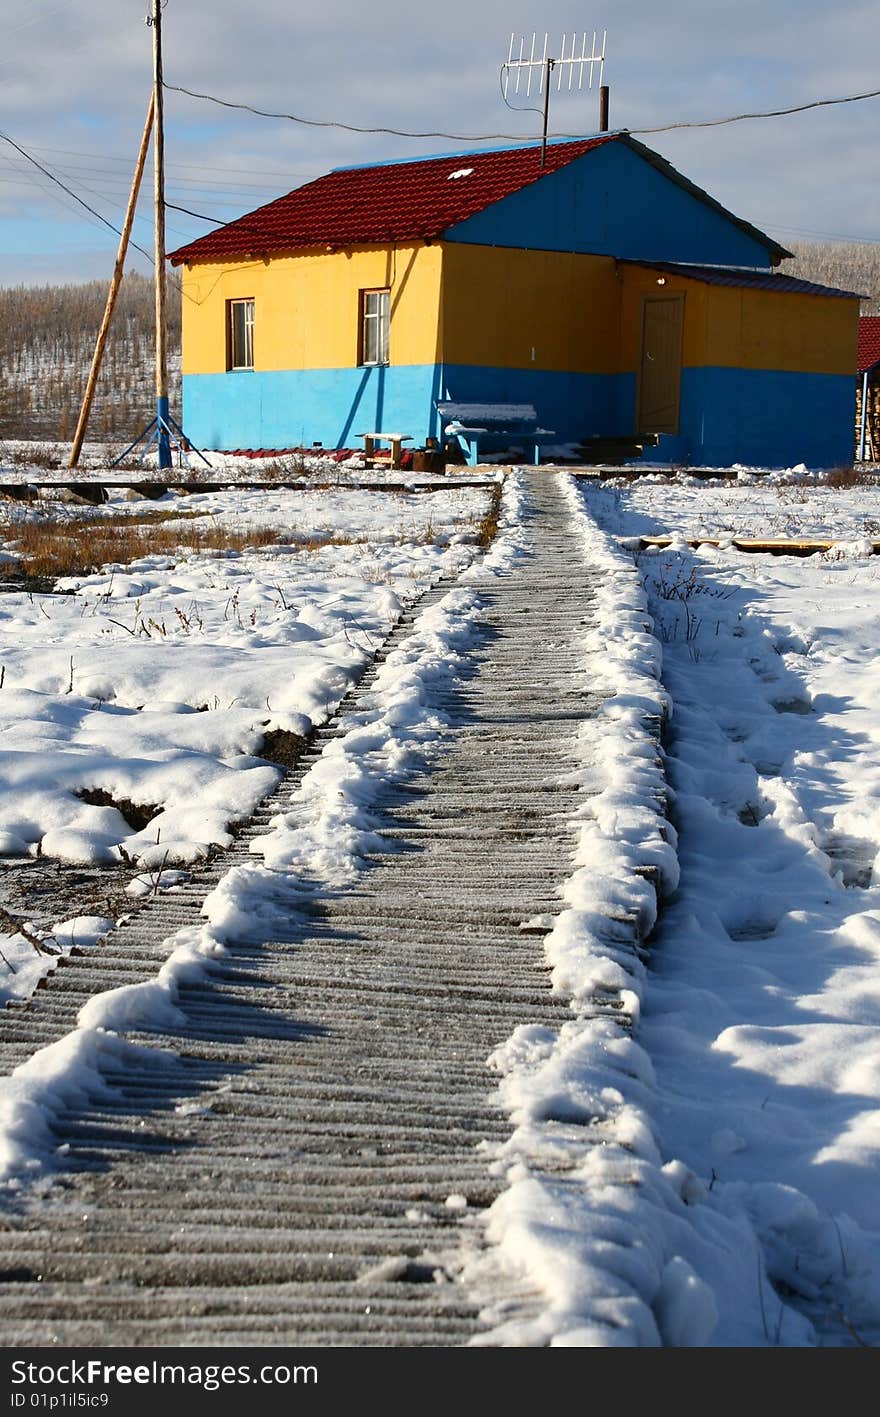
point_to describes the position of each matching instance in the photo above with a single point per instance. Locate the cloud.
(75, 76)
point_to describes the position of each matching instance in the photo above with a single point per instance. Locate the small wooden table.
(395, 439)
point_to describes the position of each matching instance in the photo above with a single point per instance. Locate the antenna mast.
(538, 68)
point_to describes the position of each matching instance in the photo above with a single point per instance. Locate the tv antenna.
(531, 69)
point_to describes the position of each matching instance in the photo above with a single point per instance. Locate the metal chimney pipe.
(603, 109)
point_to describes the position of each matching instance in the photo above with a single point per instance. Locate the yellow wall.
(500, 304)
(737, 327)
(306, 307)
(762, 330)
(496, 306)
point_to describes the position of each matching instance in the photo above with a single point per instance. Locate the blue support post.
(163, 433)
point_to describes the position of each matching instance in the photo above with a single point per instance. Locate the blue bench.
(473, 423)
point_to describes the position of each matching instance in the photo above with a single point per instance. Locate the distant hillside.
(47, 338)
(847, 265)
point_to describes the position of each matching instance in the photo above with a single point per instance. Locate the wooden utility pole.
(112, 293)
(162, 427)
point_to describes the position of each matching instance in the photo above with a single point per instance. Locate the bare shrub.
(289, 468)
(842, 477)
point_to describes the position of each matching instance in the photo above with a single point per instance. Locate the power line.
(91, 210)
(69, 190)
(180, 166)
(24, 177)
(769, 113)
(403, 133)
(37, 19)
(347, 127)
(110, 188)
(215, 221)
(517, 137)
(824, 235)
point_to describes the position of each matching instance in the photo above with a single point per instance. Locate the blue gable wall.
(613, 202)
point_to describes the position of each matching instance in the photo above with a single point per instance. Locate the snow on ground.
(318, 844)
(45, 462)
(761, 1014)
(156, 685)
(708, 1179)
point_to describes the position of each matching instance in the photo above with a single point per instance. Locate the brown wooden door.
(660, 364)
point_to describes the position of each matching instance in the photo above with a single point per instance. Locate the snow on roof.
(500, 412)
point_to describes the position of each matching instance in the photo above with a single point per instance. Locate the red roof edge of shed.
(869, 342)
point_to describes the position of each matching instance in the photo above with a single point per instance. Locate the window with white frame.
(240, 334)
(375, 326)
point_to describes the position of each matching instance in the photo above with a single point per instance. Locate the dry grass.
(487, 528)
(291, 467)
(849, 477)
(34, 455)
(76, 546)
(61, 541)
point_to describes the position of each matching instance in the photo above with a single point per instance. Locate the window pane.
(375, 323)
(249, 333)
(371, 343)
(384, 323)
(241, 316)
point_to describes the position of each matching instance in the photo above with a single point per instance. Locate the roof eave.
(688, 270)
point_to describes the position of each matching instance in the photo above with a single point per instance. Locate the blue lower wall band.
(766, 418)
(761, 417)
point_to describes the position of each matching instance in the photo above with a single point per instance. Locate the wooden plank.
(773, 546)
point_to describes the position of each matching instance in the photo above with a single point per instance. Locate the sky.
(75, 77)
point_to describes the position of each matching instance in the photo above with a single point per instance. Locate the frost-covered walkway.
(302, 1153)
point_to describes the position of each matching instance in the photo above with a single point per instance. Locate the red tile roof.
(398, 201)
(754, 280)
(869, 342)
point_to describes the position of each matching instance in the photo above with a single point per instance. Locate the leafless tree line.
(47, 338)
(843, 264)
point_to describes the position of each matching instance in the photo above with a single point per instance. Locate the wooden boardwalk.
(307, 1160)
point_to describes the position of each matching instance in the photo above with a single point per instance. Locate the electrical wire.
(512, 106)
(769, 113)
(69, 190)
(199, 215)
(403, 133)
(811, 234)
(91, 210)
(181, 166)
(38, 18)
(347, 127)
(490, 137)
